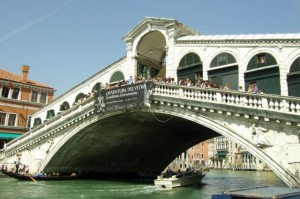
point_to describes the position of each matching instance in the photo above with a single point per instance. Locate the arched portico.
(151, 55)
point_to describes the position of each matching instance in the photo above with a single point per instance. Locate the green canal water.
(215, 181)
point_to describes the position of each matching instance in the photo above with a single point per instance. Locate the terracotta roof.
(5, 75)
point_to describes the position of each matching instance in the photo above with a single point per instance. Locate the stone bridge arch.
(232, 131)
(158, 144)
(62, 140)
(173, 119)
(205, 125)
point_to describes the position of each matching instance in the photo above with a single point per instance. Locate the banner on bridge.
(123, 97)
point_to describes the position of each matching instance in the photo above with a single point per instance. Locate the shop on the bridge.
(224, 69)
(293, 78)
(190, 67)
(263, 70)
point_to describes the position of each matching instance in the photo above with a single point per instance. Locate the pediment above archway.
(154, 23)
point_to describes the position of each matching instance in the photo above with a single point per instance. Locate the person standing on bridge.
(130, 81)
(255, 89)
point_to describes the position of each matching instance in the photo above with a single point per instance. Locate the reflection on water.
(214, 182)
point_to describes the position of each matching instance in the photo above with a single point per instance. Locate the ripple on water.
(214, 182)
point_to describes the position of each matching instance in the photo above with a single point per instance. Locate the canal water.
(215, 181)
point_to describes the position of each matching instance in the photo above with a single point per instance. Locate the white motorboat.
(184, 178)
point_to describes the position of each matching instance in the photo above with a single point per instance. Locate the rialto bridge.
(144, 126)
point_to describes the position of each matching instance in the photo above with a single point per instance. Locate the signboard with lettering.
(122, 97)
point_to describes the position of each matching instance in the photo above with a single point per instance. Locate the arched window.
(189, 60)
(261, 60)
(116, 77)
(222, 59)
(80, 96)
(293, 78)
(295, 66)
(64, 106)
(219, 75)
(97, 87)
(190, 66)
(37, 121)
(50, 114)
(263, 70)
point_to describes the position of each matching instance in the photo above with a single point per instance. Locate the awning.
(8, 136)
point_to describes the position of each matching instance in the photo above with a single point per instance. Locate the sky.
(67, 41)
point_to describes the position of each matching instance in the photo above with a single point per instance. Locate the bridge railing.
(41, 129)
(231, 97)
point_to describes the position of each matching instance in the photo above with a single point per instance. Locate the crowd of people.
(170, 80)
(18, 168)
(206, 84)
(124, 82)
(187, 82)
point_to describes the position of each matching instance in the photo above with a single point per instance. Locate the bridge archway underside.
(239, 124)
(128, 143)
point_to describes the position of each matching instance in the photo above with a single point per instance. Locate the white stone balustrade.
(230, 97)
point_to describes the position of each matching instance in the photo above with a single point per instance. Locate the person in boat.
(22, 169)
(190, 168)
(169, 173)
(18, 163)
(2, 167)
(27, 170)
(42, 174)
(55, 174)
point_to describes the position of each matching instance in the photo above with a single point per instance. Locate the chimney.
(25, 70)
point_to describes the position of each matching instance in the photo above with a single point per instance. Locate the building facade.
(195, 157)
(225, 154)
(198, 155)
(20, 97)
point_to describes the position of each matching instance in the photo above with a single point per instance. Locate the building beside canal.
(198, 154)
(20, 97)
(226, 154)
(218, 153)
(196, 157)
